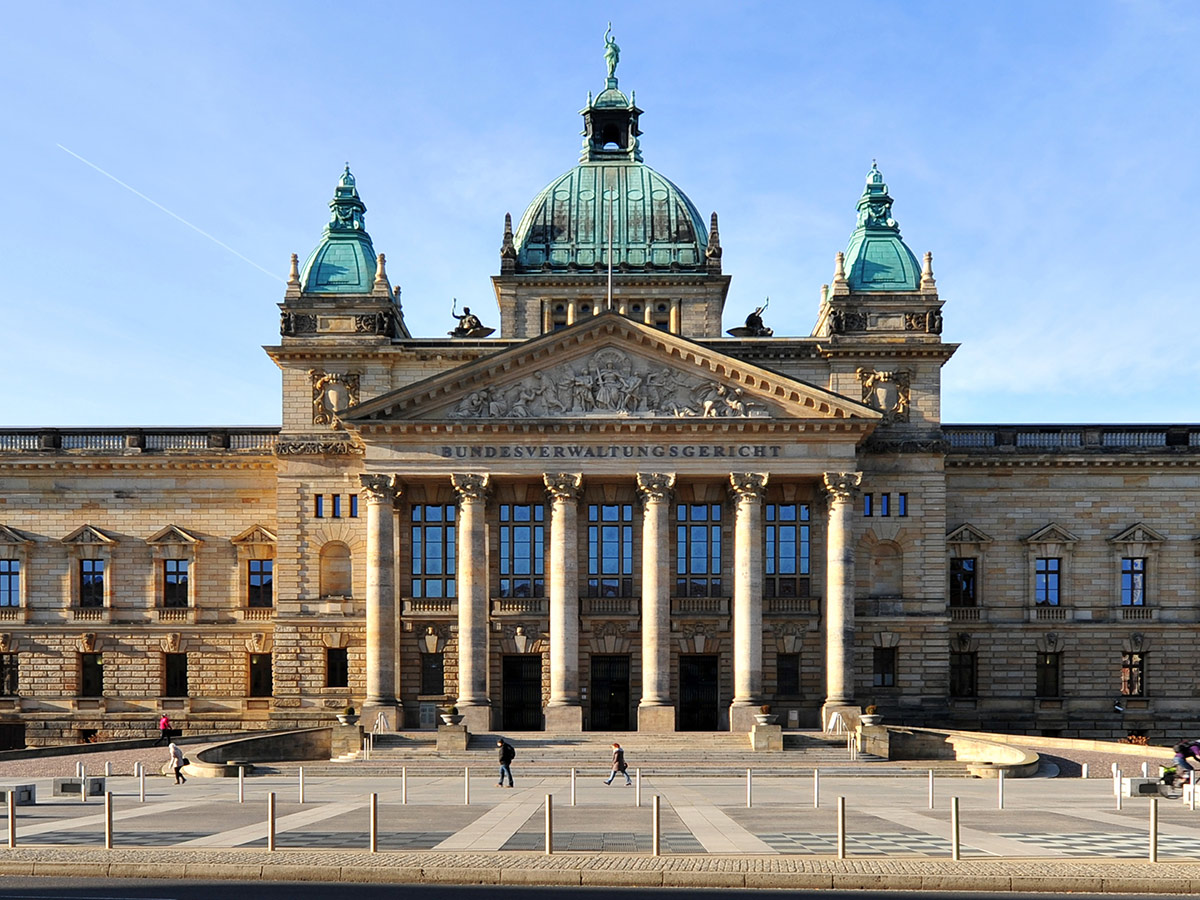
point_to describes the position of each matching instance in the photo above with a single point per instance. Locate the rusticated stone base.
(741, 716)
(564, 718)
(656, 719)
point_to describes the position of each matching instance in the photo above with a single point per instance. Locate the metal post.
(955, 846)
(1191, 783)
(404, 784)
(931, 788)
(549, 824)
(467, 786)
(108, 770)
(1153, 829)
(749, 789)
(572, 785)
(1114, 770)
(1145, 769)
(1084, 774)
(637, 791)
(271, 820)
(12, 819)
(656, 828)
(1116, 780)
(142, 785)
(1000, 790)
(1117, 785)
(374, 823)
(841, 826)
(302, 785)
(241, 784)
(82, 784)
(816, 788)
(108, 840)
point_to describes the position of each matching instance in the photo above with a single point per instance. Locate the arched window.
(336, 570)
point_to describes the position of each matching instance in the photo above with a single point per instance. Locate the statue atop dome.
(612, 53)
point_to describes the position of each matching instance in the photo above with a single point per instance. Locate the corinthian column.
(380, 492)
(473, 701)
(563, 712)
(839, 592)
(747, 490)
(656, 711)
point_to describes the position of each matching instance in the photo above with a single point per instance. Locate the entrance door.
(698, 693)
(610, 693)
(522, 698)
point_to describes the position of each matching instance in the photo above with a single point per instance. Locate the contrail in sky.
(169, 213)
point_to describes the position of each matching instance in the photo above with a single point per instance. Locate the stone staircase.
(544, 753)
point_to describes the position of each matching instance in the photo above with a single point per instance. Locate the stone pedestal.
(392, 715)
(564, 718)
(452, 738)
(656, 719)
(873, 739)
(476, 719)
(766, 737)
(345, 739)
(848, 713)
(741, 716)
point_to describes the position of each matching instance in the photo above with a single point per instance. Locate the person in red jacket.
(164, 729)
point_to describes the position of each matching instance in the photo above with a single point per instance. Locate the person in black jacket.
(506, 757)
(618, 765)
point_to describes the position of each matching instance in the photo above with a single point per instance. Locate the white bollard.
(108, 831)
(1153, 829)
(549, 824)
(572, 785)
(108, 770)
(82, 784)
(749, 789)
(141, 785)
(1000, 790)
(241, 784)
(841, 827)
(931, 788)
(374, 823)
(816, 788)
(1084, 773)
(302, 785)
(1145, 769)
(271, 820)
(955, 845)
(1117, 788)
(467, 786)
(637, 791)
(12, 819)
(404, 785)
(656, 828)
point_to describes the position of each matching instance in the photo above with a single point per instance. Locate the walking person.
(506, 757)
(164, 730)
(619, 765)
(178, 761)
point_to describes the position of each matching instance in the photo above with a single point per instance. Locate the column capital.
(379, 488)
(471, 487)
(564, 486)
(748, 485)
(655, 487)
(842, 485)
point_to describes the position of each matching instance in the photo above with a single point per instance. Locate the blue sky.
(1046, 152)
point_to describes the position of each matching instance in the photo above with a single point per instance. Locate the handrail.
(380, 724)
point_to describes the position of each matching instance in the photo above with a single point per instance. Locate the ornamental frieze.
(609, 383)
(328, 447)
(292, 324)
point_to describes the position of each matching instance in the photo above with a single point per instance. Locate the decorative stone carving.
(335, 640)
(259, 642)
(887, 392)
(566, 487)
(373, 323)
(87, 642)
(655, 487)
(6, 642)
(292, 324)
(170, 642)
(697, 637)
(331, 447)
(523, 638)
(842, 485)
(379, 488)
(332, 392)
(876, 444)
(608, 383)
(435, 638)
(747, 485)
(842, 321)
(471, 487)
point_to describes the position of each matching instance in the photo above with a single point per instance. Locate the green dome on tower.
(654, 224)
(876, 258)
(344, 261)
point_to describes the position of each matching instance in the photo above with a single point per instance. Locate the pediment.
(608, 367)
(967, 534)
(1051, 534)
(12, 536)
(88, 534)
(1137, 534)
(173, 534)
(255, 534)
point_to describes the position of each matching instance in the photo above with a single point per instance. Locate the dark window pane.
(884, 667)
(433, 679)
(962, 581)
(175, 675)
(337, 667)
(789, 674)
(91, 582)
(260, 575)
(91, 675)
(175, 582)
(261, 684)
(10, 582)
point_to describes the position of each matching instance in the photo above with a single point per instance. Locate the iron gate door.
(522, 699)
(698, 693)
(610, 693)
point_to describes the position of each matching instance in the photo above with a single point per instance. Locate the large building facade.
(611, 515)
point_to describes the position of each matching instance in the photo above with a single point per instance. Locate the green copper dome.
(654, 224)
(876, 258)
(344, 261)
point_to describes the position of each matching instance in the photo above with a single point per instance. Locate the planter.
(871, 720)
(766, 718)
(347, 720)
(451, 720)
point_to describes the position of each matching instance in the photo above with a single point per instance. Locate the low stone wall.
(987, 755)
(214, 762)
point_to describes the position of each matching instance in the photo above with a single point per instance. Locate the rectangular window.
(175, 675)
(1049, 675)
(786, 550)
(1133, 581)
(884, 667)
(261, 582)
(91, 675)
(10, 582)
(885, 504)
(962, 674)
(337, 506)
(902, 504)
(433, 549)
(9, 670)
(788, 682)
(962, 581)
(1046, 572)
(175, 582)
(319, 506)
(337, 667)
(610, 550)
(522, 551)
(354, 506)
(1133, 674)
(866, 504)
(698, 550)
(91, 582)
(433, 674)
(261, 684)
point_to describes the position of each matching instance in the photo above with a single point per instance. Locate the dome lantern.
(344, 262)
(877, 259)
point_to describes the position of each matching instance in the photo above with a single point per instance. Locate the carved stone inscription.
(608, 383)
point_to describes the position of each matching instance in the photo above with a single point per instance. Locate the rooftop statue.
(754, 326)
(468, 324)
(612, 53)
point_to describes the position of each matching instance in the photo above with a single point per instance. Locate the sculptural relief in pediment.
(606, 383)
